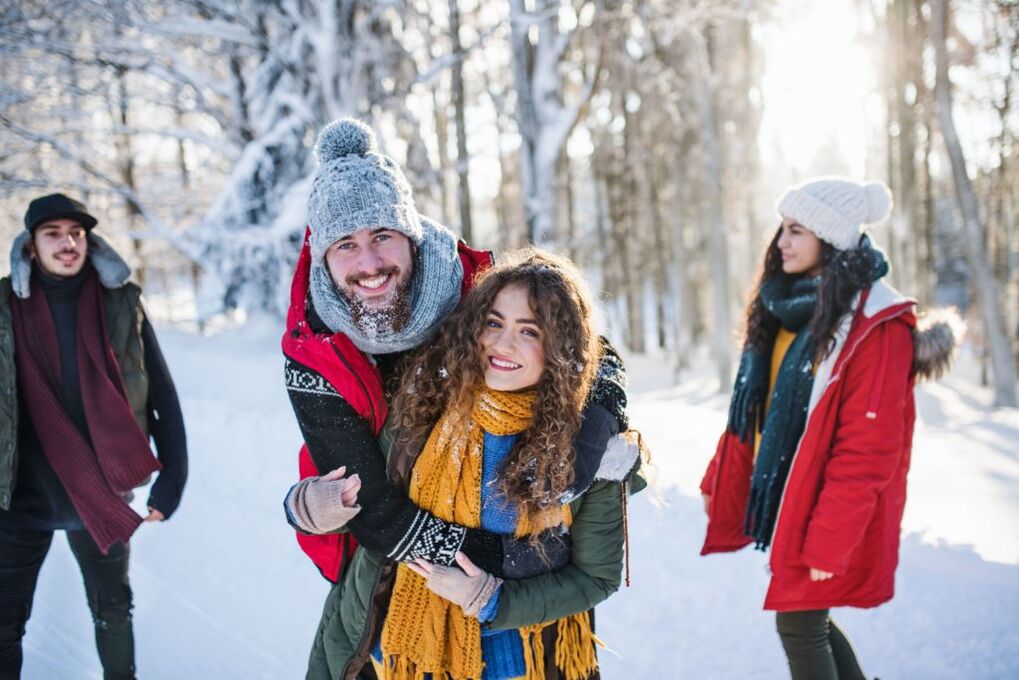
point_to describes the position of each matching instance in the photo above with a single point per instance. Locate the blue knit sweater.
(501, 650)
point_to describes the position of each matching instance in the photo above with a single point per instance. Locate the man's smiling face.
(372, 269)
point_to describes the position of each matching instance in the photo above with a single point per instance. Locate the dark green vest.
(124, 323)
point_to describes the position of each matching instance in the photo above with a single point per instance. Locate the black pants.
(22, 552)
(816, 647)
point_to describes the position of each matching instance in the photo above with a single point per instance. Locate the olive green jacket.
(356, 606)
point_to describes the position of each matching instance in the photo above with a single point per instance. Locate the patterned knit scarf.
(424, 633)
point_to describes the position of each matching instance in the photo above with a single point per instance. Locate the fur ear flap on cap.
(113, 271)
(21, 265)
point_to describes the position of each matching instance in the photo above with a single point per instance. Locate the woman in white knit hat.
(812, 465)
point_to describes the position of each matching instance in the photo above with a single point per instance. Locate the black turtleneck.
(62, 295)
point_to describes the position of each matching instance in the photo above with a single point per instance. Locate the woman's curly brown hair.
(449, 374)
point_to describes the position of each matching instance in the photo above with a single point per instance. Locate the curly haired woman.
(813, 462)
(481, 435)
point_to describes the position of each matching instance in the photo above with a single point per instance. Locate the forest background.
(647, 140)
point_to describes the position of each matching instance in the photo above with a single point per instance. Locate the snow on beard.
(378, 321)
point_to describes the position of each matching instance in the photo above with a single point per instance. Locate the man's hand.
(322, 505)
(154, 515)
(818, 575)
(466, 585)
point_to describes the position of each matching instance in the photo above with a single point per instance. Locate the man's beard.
(374, 322)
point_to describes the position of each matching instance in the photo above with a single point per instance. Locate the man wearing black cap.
(83, 386)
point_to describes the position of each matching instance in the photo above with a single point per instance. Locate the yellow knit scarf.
(424, 633)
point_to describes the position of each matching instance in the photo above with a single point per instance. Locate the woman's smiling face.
(512, 343)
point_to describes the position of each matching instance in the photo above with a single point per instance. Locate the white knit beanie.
(837, 209)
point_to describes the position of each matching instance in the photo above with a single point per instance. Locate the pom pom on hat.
(355, 187)
(345, 137)
(879, 202)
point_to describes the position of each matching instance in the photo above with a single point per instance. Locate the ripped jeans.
(22, 552)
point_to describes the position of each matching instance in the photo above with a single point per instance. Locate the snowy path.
(223, 592)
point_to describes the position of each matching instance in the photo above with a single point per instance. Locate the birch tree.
(545, 117)
(988, 291)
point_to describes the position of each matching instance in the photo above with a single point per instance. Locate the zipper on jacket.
(831, 381)
(875, 388)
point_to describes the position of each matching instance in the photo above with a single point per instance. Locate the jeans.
(22, 552)
(816, 647)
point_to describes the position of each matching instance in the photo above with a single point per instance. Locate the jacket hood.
(936, 340)
(112, 269)
(937, 333)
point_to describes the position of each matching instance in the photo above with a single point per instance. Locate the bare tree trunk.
(987, 291)
(79, 137)
(688, 316)
(718, 250)
(125, 167)
(906, 117)
(661, 264)
(462, 158)
(569, 220)
(544, 121)
(507, 223)
(606, 230)
(442, 139)
(239, 98)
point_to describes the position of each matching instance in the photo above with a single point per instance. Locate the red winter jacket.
(842, 506)
(352, 373)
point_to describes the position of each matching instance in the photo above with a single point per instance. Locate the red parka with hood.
(842, 507)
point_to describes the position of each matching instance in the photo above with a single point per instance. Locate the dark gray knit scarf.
(792, 301)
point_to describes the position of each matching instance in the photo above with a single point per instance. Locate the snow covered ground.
(223, 592)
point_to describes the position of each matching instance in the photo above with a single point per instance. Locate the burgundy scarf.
(97, 474)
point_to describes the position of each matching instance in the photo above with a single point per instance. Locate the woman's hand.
(819, 575)
(707, 501)
(466, 585)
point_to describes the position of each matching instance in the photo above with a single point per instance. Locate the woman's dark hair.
(843, 274)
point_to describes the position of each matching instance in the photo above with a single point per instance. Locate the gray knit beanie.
(837, 209)
(356, 188)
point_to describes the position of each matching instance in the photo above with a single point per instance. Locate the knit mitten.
(472, 593)
(317, 505)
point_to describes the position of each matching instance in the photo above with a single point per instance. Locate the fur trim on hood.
(936, 340)
(111, 267)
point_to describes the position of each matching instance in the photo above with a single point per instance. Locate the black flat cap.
(56, 207)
